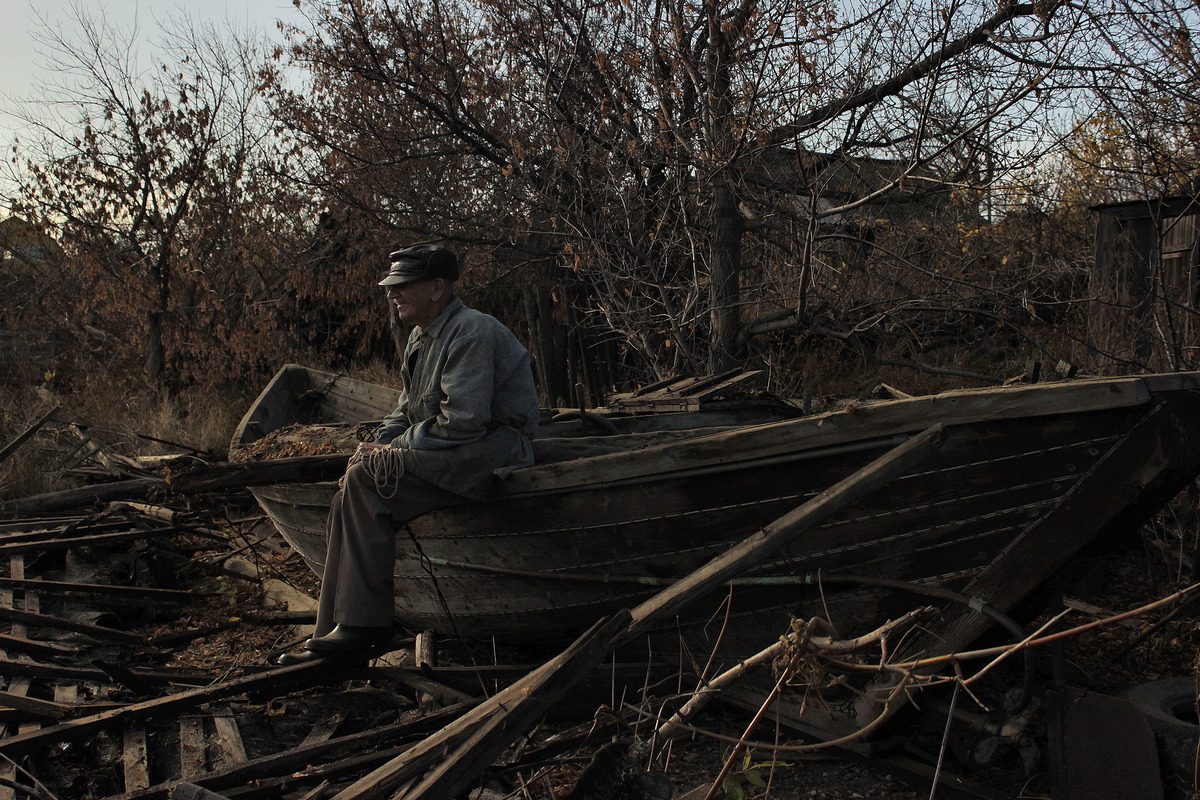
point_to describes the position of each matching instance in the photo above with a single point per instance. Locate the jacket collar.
(449, 311)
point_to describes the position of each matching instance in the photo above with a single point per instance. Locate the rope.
(386, 468)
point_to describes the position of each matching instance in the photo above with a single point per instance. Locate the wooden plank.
(19, 616)
(203, 479)
(458, 771)
(95, 540)
(8, 769)
(16, 568)
(830, 430)
(134, 756)
(300, 674)
(192, 747)
(36, 669)
(297, 758)
(126, 593)
(488, 717)
(229, 737)
(758, 548)
(19, 644)
(43, 709)
(324, 729)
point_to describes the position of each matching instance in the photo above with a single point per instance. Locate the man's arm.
(394, 423)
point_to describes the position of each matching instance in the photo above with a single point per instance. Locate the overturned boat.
(1027, 477)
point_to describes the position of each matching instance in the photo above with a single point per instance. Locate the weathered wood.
(19, 644)
(123, 676)
(229, 736)
(34, 669)
(47, 621)
(116, 464)
(125, 593)
(134, 756)
(425, 649)
(204, 479)
(423, 685)
(41, 709)
(27, 434)
(308, 752)
(523, 695)
(192, 747)
(832, 429)
(762, 545)
(42, 545)
(299, 674)
(190, 791)
(482, 734)
(324, 729)
(8, 768)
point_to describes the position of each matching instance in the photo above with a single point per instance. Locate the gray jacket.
(469, 408)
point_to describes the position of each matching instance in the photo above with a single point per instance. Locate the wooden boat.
(1027, 477)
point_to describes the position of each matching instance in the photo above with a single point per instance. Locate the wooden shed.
(1143, 284)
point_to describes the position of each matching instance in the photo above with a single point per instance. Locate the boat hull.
(549, 555)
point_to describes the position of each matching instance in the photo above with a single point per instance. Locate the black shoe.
(303, 657)
(349, 639)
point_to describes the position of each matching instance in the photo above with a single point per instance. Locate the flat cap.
(420, 262)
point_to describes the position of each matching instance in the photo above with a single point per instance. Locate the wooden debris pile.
(121, 684)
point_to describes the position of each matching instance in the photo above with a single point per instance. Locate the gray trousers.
(357, 584)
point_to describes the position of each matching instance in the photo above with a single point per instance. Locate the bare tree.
(717, 180)
(154, 179)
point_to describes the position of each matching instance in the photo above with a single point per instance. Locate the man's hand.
(363, 449)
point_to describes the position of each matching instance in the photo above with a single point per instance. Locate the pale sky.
(22, 66)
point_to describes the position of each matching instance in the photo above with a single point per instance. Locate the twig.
(937, 771)
(701, 697)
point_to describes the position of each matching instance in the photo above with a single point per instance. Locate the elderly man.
(468, 411)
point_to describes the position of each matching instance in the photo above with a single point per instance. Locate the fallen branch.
(791, 640)
(27, 434)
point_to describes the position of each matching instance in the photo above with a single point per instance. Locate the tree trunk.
(155, 357)
(725, 260)
(725, 247)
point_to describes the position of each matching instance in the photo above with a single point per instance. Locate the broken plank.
(229, 736)
(134, 756)
(127, 593)
(192, 747)
(20, 644)
(297, 758)
(324, 729)
(190, 791)
(43, 544)
(47, 621)
(35, 669)
(204, 479)
(299, 674)
(40, 709)
(421, 684)
(460, 769)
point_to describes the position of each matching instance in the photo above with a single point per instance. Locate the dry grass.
(119, 415)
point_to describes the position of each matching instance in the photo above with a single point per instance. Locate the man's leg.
(357, 586)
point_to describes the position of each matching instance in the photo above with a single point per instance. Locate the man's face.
(416, 301)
